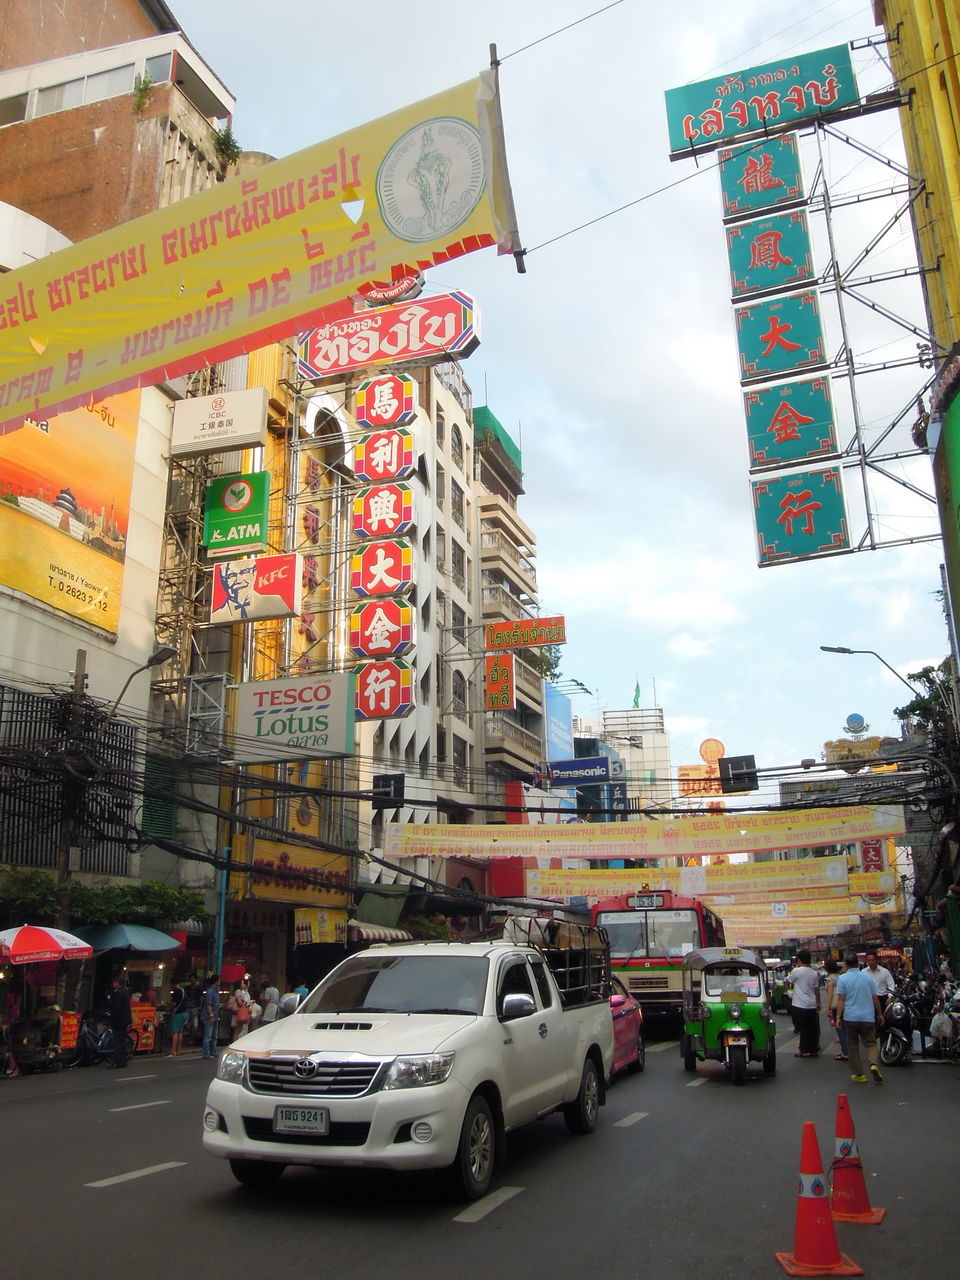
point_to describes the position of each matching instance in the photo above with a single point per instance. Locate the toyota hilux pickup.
(413, 1056)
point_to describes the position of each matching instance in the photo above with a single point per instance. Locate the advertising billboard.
(760, 175)
(790, 423)
(800, 515)
(294, 718)
(213, 424)
(258, 587)
(235, 512)
(525, 633)
(65, 507)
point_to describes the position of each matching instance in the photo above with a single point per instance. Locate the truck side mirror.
(517, 1005)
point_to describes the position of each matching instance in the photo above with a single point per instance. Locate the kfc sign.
(260, 587)
(388, 401)
(382, 568)
(381, 627)
(385, 455)
(426, 331)
(383, 511)
(384, 689)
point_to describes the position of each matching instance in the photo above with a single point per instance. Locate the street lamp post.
(917, 693)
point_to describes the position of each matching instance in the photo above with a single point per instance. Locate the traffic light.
(738, 773)
(387, 790)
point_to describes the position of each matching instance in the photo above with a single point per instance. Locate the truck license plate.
(301, 1120)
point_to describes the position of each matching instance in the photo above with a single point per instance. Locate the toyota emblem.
(305, 1068)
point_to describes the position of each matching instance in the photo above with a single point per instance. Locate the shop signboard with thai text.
(760, 175)
(772, 96)
(294, 718)
(780, 335)
(258, 587)
(789, 423)
(276, 871)
(271, 252)
(525, 633)
(213, 424)
(423, 332)
(500, 681)
(770, 254)
(800, 515)
(235, 512)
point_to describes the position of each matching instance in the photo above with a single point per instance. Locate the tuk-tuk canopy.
(709, 956)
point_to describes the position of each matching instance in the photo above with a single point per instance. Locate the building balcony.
(496, 550)
(500, 606)
(505, 742)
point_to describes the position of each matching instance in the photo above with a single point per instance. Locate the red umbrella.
(30, 943)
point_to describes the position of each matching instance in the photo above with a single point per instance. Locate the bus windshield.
(644, 934)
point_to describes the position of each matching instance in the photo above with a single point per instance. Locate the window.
(441, 427)
(441, 550)
(59, 97)
(543, 982)
(109, 84)
(13, 110)
(458, 564)
(456, 446)
(458, 687)
(425, 614)
(459, 759)
(458, 624)
(514, 981)
(456, 502)
(441, 487)
(425, 689)
(157, 69)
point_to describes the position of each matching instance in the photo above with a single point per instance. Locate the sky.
(613, 360)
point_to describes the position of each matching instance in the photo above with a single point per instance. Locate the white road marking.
(139, 1106)
(659, 1048)
(631, 1119)
(132, 1079)
(488, 1204)
(692, 1084)
(137, 1173)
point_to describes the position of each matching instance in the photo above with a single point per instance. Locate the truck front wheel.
(581, 1114)
(477, 1152)
(256, 1173)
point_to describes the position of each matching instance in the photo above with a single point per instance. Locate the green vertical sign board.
(235, 513)
(804, 87)
(790, 423)
(779, 335)
(798, 516)
(770, 255)
(760, 175)
(946, 473)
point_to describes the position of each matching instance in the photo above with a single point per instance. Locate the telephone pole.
(72, 788)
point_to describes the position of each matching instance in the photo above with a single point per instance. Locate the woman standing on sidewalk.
(178, 1018)
(833, 971)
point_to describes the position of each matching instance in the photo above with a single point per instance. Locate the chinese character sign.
(871, 855)
(703, 115)
(779, 335)
(382, 511)
(500, 681)
(387, 401)
(770, 254)
(384, 689)
(385, 455)
(381, 627)
(799, 515)
(382, 568)
(760, 175)
(789, 423)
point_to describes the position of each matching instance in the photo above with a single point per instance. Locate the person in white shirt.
(805, 984)
(883, 982)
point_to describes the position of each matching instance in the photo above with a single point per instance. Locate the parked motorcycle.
(909, 1009)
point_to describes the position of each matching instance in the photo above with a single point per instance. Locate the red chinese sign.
(382, 568)
(382, 511)
(525, 633)
(384, 689)
(500, 681)
(381, 627)
(385, 455)
(871, 855)
(426, 331)
(387, 401)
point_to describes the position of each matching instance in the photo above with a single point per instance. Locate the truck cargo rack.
(578, 954)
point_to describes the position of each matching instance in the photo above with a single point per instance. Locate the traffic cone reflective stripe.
(849, 1201)
(815, 1250)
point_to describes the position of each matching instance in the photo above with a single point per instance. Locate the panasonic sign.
(585, 770)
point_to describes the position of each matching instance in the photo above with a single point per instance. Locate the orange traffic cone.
(815, 1250)
(849, 1201)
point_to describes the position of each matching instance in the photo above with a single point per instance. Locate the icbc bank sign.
(302, 718)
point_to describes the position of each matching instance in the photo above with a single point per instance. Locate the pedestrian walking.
(858, 1006)
(121, 1018)
(240, 1008)
(178, 1018)
(270, 999)
(805, 1001)
(882, 979)
(209, 1016)
(194, 999)
(832, 970)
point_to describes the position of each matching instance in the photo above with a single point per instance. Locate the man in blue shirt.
(859, 1010)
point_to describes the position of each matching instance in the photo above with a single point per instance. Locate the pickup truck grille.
(332, 1078)
(342, 1134)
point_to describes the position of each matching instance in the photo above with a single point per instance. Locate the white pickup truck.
(412, 1056)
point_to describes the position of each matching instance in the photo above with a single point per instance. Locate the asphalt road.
(103, 1173)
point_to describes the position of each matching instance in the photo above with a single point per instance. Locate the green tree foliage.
(930, 712)
(26, 897)
(29, 897)
(545, 661)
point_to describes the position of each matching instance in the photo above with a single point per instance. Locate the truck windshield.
(651, 934)
(381, 983)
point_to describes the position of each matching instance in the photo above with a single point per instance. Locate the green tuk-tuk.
(726, 1011)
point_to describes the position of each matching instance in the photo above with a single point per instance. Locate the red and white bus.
(650, 933)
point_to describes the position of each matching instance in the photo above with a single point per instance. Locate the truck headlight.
(413, 1071)
(230, 1066)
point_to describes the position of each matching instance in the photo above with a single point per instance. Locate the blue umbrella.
(127, 937)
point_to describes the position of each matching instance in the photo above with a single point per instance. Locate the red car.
(628, 1047)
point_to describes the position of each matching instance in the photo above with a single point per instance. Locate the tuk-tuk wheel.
(738, 1063)
(770, 1061)
(689, 1054)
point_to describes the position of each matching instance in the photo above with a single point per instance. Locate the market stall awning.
(363, 931)
(128, 937)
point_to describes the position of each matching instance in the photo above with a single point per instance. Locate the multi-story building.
(639, 735)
